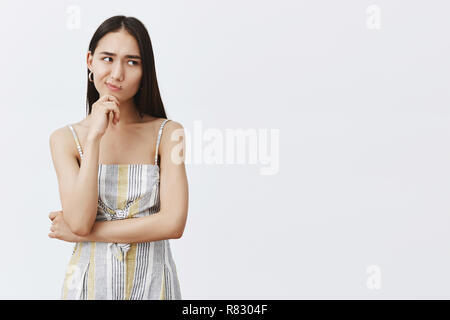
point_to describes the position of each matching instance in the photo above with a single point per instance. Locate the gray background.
(363, 116)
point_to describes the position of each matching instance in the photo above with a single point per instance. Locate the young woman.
(121, 175)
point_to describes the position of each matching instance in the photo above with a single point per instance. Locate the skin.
(132, 140)
(118, 70)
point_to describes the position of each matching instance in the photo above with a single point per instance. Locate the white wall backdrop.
(356, 204)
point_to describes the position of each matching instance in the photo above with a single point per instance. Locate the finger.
(55, 214)
(115, 110)
(52, 235)
(117, 114)
(105, 97)
(113, 115)
(111, 98)
(111, 105)
(52, 215)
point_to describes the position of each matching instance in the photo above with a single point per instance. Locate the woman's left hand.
(60, 230)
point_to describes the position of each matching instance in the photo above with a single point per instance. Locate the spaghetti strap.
(159, 138)
(77, 141)
(80, 151)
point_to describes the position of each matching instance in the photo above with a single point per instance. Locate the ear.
(89, 59)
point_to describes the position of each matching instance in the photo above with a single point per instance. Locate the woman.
(121, 205)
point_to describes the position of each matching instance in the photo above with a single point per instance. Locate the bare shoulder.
(61, 138)
(172, 131)
(59, 135)
(169, 127)
(173, 141)
(172, 124)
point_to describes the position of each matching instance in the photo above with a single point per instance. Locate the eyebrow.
(127, 56)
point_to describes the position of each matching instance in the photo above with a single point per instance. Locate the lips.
(112, 86)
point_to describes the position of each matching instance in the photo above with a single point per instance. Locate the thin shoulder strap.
(159, 138)
(77, 141)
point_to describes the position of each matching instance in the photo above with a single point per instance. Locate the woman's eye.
(135, 62)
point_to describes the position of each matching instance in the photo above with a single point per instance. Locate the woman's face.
(116, 61)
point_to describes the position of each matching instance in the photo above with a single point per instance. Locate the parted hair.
(148, 98)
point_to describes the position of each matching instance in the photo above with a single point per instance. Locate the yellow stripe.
(130, 266)
(91, 277)
(163, 287)
(122, 187)
(134, 208)
(71, 268)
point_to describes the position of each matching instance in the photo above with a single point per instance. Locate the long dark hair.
(148, 99)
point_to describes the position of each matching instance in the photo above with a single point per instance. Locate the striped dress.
(123, 271)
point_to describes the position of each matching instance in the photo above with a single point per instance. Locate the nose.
(117, 71)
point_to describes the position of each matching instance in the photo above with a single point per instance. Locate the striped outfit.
(123, 271)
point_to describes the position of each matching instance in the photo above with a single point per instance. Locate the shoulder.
(172, 125)
(172, 129)
(61, 138)
(59, 134)
(172, 134)
(172, 145)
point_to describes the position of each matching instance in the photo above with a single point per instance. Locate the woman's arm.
(168, 223)
(155, 227)
(77, 185)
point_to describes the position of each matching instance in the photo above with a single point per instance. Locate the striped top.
(122, 271)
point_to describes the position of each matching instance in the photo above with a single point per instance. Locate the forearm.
(81, 215)
(153, 227)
